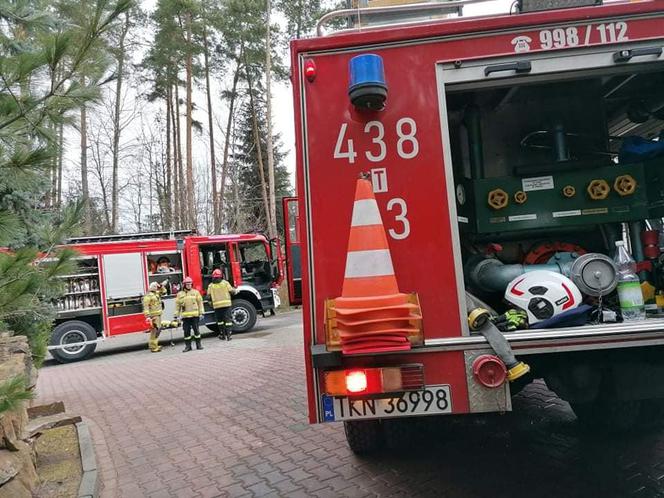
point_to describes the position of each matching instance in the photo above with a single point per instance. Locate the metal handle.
(452, 6)
(627, 55)
(519, 67)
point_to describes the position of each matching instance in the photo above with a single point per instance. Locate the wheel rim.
(240, 317)
(72, 337)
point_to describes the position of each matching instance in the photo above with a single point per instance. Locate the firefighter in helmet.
(219, 292)
(152, 310)
(189, 307)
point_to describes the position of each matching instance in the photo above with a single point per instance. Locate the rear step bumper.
(592, 337)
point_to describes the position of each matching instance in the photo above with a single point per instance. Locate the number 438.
(407, 145)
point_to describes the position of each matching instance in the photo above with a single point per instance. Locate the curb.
(89, 487)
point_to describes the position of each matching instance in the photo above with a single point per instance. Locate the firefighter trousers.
(153, 342)
(190, 325)
(223, 319)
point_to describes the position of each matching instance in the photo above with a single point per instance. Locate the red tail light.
(310, 70)
(374, 380)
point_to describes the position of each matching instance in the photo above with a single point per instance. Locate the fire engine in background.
(104, 297)
(438, 164)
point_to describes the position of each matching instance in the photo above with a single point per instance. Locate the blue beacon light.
(367, 88)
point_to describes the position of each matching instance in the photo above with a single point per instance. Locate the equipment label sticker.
(462, 219)
(595, 211)
(564, 214)
(523, 217)
(537, 183)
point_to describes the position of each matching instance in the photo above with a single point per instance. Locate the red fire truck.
(496, 146)
(104, 296)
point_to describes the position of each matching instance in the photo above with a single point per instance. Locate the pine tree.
(41, 89)
(253, 207)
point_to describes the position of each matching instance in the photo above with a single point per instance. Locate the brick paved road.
(231, 421)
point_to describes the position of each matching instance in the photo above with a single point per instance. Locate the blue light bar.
(367, 87)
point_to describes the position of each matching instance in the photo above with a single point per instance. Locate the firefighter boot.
(229, 332)
(187, 344)
(222, 331)
(198, 343)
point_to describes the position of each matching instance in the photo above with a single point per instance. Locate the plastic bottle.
(629, 286)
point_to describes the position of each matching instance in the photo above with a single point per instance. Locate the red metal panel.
(300, 147)
(410, 187)
(191, 252)
(418, 218)
(236, 271)
(292, 241)
(126, 324)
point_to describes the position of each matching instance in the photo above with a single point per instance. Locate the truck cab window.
(213, 257)
(254, 262)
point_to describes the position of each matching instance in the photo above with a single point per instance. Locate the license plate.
(431, 401)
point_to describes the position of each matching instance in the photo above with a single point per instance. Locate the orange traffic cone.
(371, 314)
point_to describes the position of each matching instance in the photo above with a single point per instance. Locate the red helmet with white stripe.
(543, 294)
(188, 280)
(216, 273)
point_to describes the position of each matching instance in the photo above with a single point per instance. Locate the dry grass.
(58, 463)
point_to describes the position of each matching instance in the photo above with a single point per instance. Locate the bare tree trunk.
(272, 218)
(236, 187)
(85, 191)
(168, 211)
(184, 220)
(259, 153)
(51, 195)
(61, 144)
(213, 161)
(115, 149)
(99, 167)
(191, 213)
(177, 219)
(229, 122)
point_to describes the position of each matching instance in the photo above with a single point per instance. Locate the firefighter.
(152, 310)
(189, 306)
(219, 292)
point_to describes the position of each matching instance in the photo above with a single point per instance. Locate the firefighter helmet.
(216, 273)
(188, 280)
(154, 286)
(543, 294)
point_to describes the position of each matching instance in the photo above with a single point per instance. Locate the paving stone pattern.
(231, 421)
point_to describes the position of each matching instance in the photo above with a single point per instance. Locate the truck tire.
(243, 314)
(608, 416)
(364, 436)
(402, 433)
(73, 331)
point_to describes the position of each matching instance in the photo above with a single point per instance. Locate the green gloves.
(511, 320)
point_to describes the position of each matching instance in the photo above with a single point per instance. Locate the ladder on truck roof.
(131, 236)
(383, 13)
(407, 14)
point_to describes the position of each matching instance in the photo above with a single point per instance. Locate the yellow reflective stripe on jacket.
(220, 294)
(189, 303)
(152, 305)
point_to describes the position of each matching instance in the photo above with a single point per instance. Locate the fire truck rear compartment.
(542, 176)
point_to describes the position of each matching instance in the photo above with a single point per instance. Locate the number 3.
(401, 217)
(378, 140)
